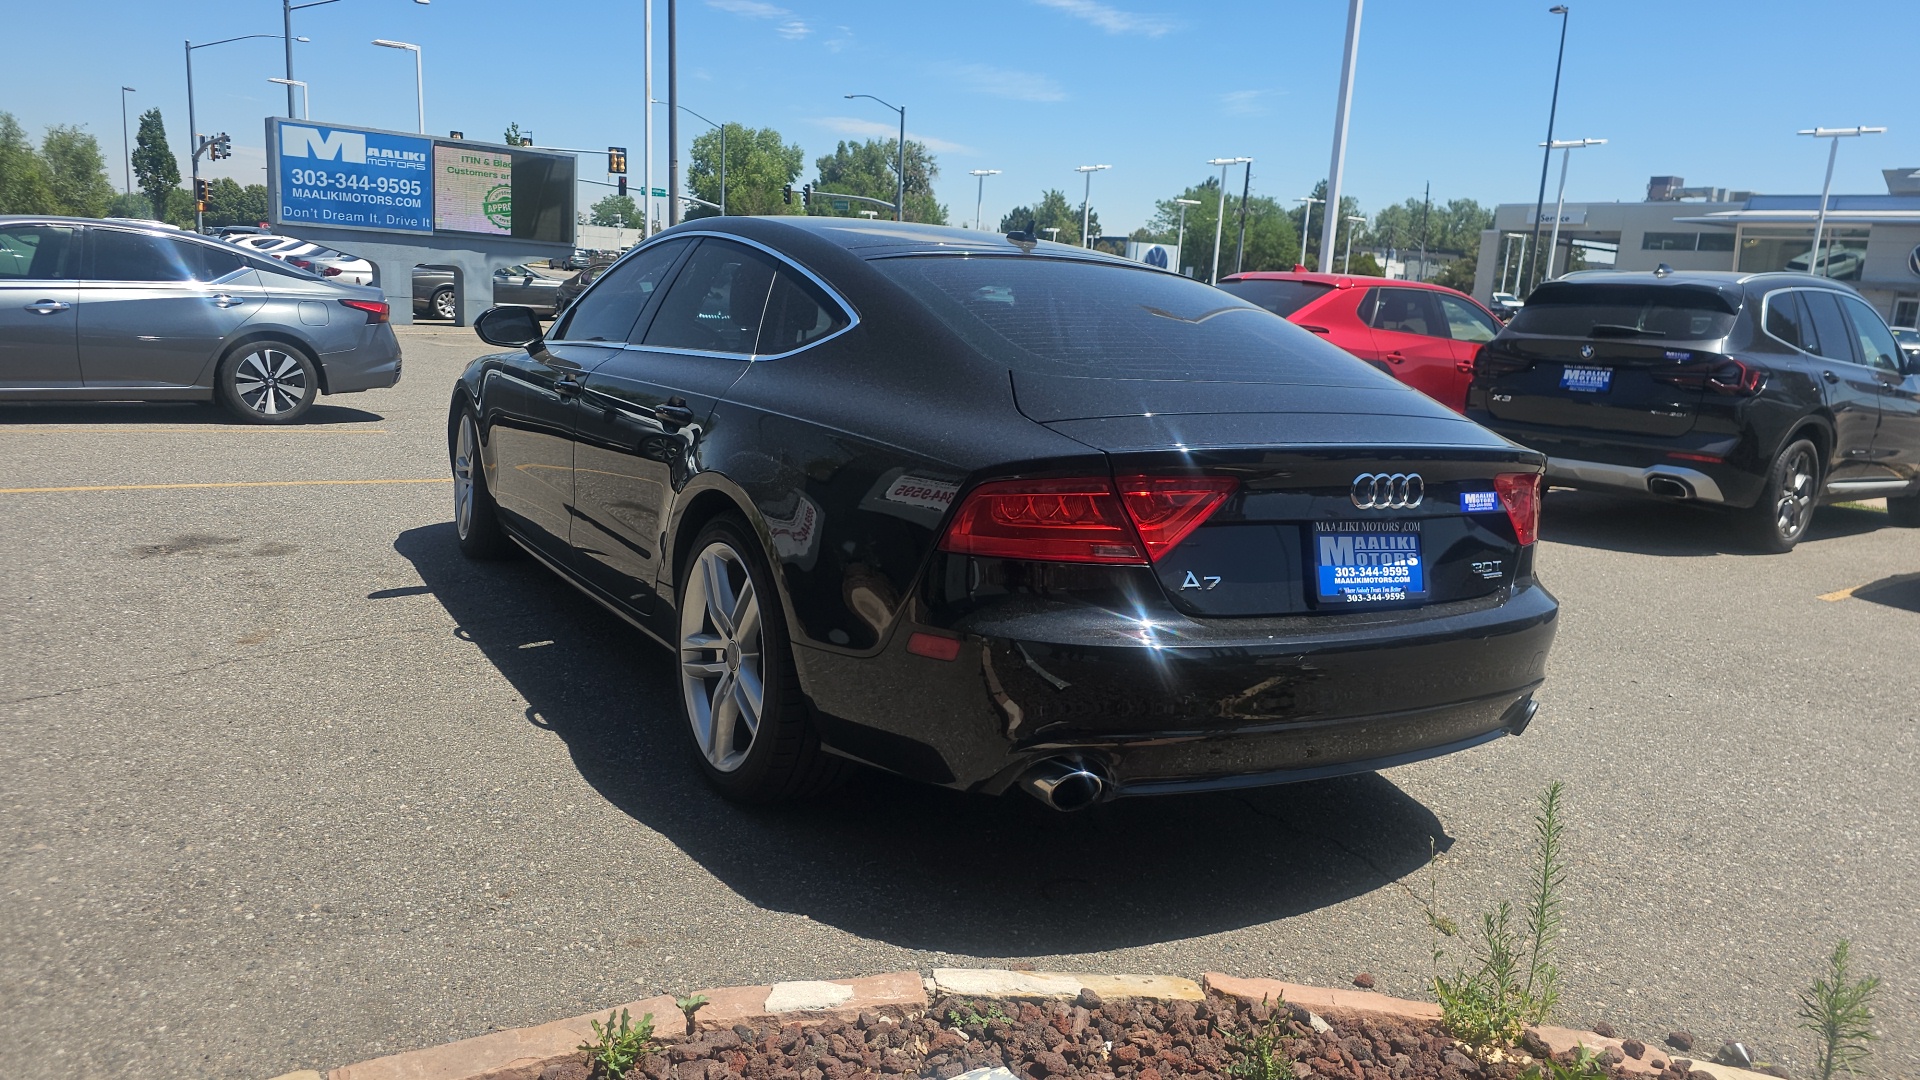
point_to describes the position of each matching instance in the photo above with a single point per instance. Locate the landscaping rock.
(1363, 980)
(566, 1070)
(1633, 1048)
(1602, 1029)
(1680, 1040)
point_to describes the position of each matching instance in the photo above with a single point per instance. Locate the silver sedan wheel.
(270, 381)
(721, 652)
(443, 304)
(464, 455)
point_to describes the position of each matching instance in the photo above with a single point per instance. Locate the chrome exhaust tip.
(1669, 487)
(1066, 784)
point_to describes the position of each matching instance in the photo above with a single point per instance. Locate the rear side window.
(38, 253)
(1407, 311)
(214, 263)
(608, 311)
(1832, 337)
(1784, 318)
(1283, 298)
(798, 314)
(1067, 317)
(1464, 321)
(715, 302)
(1607, 310)
(128, 256)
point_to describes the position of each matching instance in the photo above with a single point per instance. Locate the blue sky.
(1451, 92)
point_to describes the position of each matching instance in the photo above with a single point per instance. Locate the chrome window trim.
(846, 308)
(1766, 301)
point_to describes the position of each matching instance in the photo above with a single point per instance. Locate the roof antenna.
(1024, 236)
(1662, 270)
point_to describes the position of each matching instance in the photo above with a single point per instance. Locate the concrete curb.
(523, 1053)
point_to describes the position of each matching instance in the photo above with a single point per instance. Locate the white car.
(321, 260)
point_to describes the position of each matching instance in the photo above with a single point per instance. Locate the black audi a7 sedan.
(988, 513)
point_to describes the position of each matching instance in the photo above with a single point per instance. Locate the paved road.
(287, 783)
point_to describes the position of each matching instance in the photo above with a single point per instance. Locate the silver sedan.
(107, 311)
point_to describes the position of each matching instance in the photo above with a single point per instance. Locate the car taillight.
(1166, 508)
(1520, 497)
(1084, 519)
(377, 310)
(1736, 378)
(331, 271)
(301, 263)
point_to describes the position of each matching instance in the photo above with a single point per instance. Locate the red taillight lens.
(377, 310)
(1520, 495)
(1072, 520)
(1737, 379)
(331, 271)
(301, 263)
(1167, 508)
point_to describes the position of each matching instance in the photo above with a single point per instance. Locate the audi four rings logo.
(1388, 491)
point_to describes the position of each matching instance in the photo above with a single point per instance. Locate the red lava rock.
(1633, 1048)
(1602, 1029)
(1680, 1040)
(1126, 1055)
(1363, 980)
(1148, 1073)
(1053, 1063)
(566, 1070)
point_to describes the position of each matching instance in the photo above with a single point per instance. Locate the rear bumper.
(1664, 480)
(373, 365)
(1637, 465)
(1187, 704)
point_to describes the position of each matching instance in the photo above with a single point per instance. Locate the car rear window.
(1283, 298)
(1068, 317)
(1638, 312)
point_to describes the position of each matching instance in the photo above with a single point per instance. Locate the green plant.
(689, 1006)
(1264, 1054)
(967, 1015)
(1514, 981)
(1838, 1009)
(1586, 1065)
(619, 1046)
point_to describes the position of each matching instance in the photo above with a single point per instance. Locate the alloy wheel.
(463, 465)
(270, 381)
(443, 304)
(721, 652)
(1795, 504)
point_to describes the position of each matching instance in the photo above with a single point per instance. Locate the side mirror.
(1909, 362)
(509, 327)
(528, 280)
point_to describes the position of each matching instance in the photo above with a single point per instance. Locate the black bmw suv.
(1764, 393)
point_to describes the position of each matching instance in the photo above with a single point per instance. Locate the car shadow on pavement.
(912, 865)
(200, 413)
(1899, 591)
(1644, 526)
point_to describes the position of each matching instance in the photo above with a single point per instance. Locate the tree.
(1053, 211)
(24, 186)
(1364, 265)
(230, 204)
(1273, 242)
(868, 169)
(514, 135)
(153, 162)
(616, 211)
(759, 165)
(130, 204)
(77, 172)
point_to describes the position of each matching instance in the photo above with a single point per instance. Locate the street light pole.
(306, 98)
(1546, 156)
(1220, 216)
(673, 114)
(900, 162)
(1566, 149)
(419, 79)
(1246, 187)
(287, 8)
(722, 204)
(1814, 261)
(1086, 202)
(126, 147)
(1306, 222)
(1346, 261)
(980, 193)
(1349, 60)
(193, 135)
(646, 126)
(1180, 240)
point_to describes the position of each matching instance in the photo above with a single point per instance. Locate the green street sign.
(840, 204)
(659, 193)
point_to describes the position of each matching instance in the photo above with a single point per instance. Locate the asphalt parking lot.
(288, 783)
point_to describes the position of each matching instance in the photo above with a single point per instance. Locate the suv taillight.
(377, 310)
(1737, 378)
(1520, 497)
(1084, 519)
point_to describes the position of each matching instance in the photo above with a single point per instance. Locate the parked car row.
(518, 285)
(316, 258)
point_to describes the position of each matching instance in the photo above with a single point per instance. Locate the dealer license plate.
(1586, 380)
(1362, 562)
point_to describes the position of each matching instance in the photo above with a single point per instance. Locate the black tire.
(783, 759)
(441, 303)
(476, 521)
(1776, 522)
(267, 382)
(1904, 510)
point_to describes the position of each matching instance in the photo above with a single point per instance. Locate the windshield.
(1069, 317)
(1283, 298)
(1638, 312)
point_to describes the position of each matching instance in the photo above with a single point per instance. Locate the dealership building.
(1873, 241)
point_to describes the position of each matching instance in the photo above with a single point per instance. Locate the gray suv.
(106, 311)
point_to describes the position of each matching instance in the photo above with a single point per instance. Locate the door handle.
(1396, 358)
(1830, 376)
(674, 414)
(224, 300)
(47, 307)
(567, 386)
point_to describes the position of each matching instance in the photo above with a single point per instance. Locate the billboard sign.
(1160, 255)
(350, 178)
(390, 181)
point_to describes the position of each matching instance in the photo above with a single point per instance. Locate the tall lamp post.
(1349, 59)
(980, 194)
(1220, 218)
(900, 165)
(126, 147)
(723, 152)
(306, 100)
(1546, 156)
(1566, 148)
(1346, 260)
(1306, 221)
(193, 133)
(1814, 260)
(1180, 239)
(1086, 202)
(419, 79)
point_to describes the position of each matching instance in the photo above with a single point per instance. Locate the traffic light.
(806, 197)
(622, 185)
(786, 194)
(220, 146)
(200, 195)
(617, 160)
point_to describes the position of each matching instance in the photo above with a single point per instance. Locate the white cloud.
(999, 82)
(1109, 18)
(1245, 102)
(791, 27)
(875, 129)
(794, 30)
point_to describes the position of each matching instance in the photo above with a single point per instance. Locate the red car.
(1424, 335)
